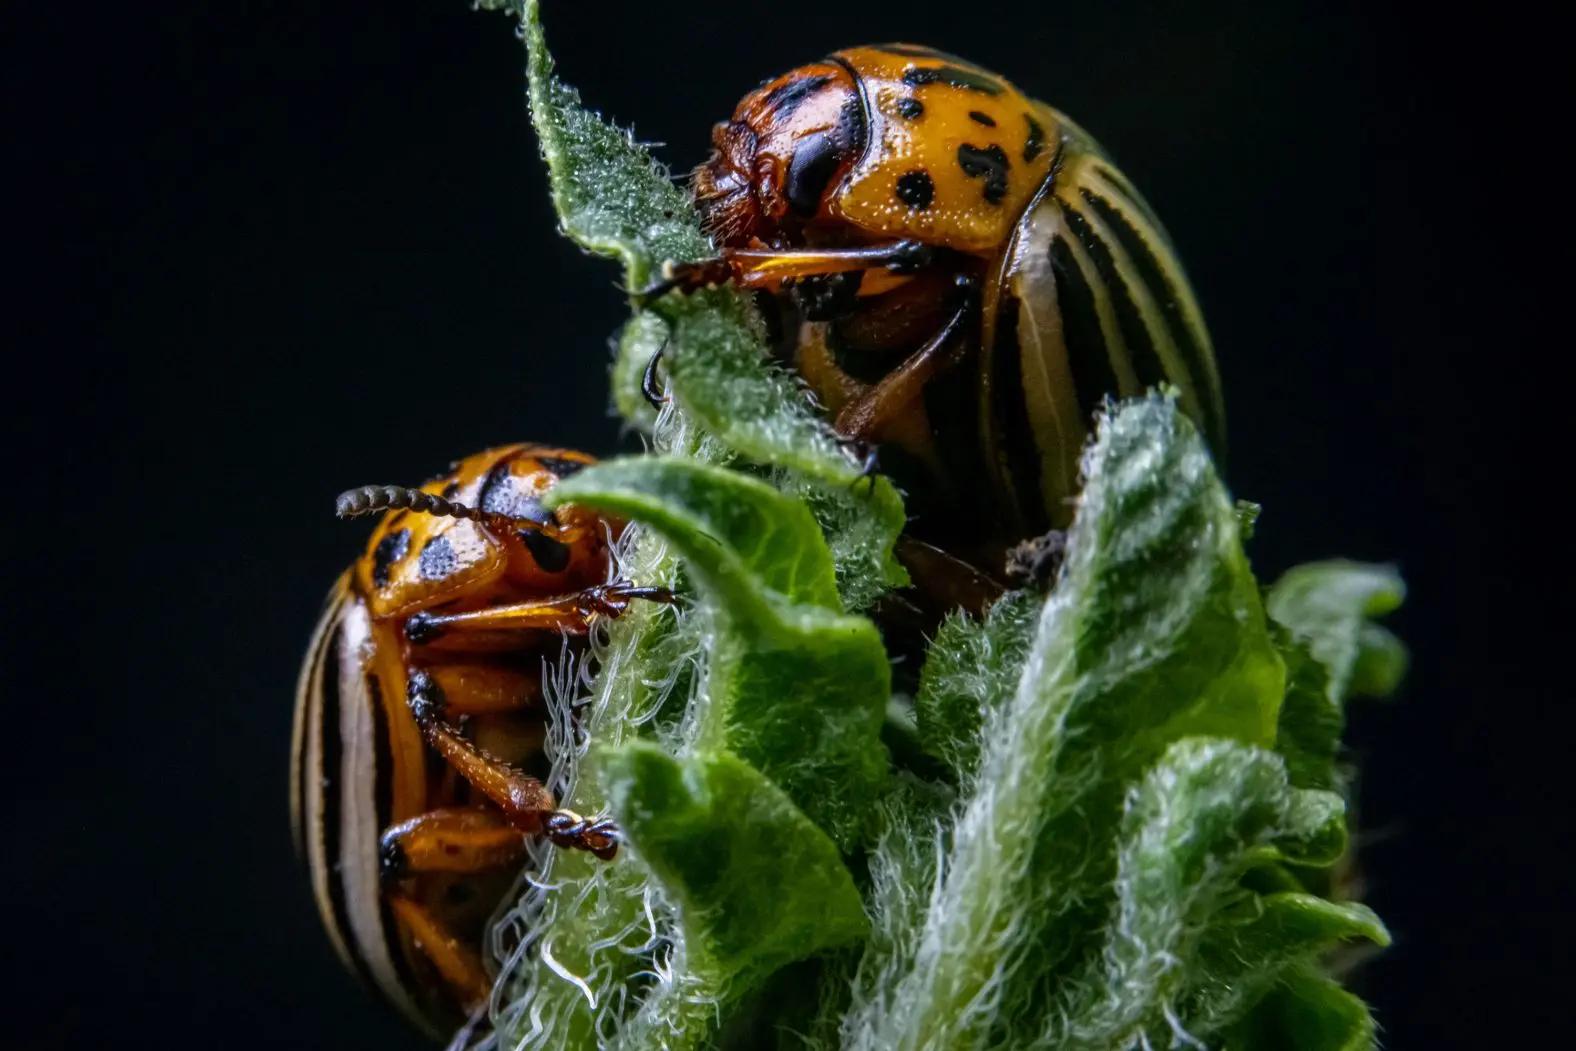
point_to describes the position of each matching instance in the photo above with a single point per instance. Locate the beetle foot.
(909, 257)
(867, 456)
(567, 829)
(686, 277)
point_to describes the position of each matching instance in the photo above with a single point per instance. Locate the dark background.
(270, 251)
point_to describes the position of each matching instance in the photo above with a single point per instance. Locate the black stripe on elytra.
(953, 76)
(1153, 271)
(383, 803)
(1136, 337)
(989, 162)
(982, 118)
(1010, 412)
(1034, 145)
(1088, 358)
(789, 96)
(383, 760)
(815, 161)
(1118, 180)
(390, 550)
(332, 787)
(307, 782)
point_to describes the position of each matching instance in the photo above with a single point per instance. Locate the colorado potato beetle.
(418, 719)
(972, 273)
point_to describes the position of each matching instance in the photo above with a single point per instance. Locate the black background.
(270, 251)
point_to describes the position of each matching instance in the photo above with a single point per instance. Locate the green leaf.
(1154, 633)
(795, 687)
(1238, 964)
(1331, 649)
(757, 884)
(1307, 1012)
(971, 670)
(1177, 949)
(1329, 607)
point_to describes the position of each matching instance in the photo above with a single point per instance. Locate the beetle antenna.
(372, 499)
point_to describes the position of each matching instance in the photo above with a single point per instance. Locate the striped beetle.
(418, 714)
(972, 273)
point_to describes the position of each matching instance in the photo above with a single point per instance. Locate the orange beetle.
(418, 722)
(925, 218)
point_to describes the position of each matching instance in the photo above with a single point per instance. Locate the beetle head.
(776, 166)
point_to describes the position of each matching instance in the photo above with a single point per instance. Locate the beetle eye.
(812, 168)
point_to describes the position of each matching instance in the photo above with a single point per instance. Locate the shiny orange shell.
(415, 561)
(953, 153)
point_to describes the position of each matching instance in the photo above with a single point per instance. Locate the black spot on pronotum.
(551, 555)
(390, 550)
(909, 108)
(915, 189)
(437, 559)
(811, 170)
(989, 163)
(787, 97)
(500, 496)
(1034, 145)
(953, 76)
(982, 118)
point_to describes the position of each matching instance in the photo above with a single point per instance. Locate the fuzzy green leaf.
(1238, 964)
(972, 670)
(1307, 1012)
(1331, 649)
(1154, 633)
(1329, 606)
(757, 884)
(796, 688)
(1179, 956)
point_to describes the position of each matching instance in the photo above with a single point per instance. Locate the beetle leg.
(459, 965)
(525, 802)
(769, 268)
(867, 417)
(450, 839)
(569, 613)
